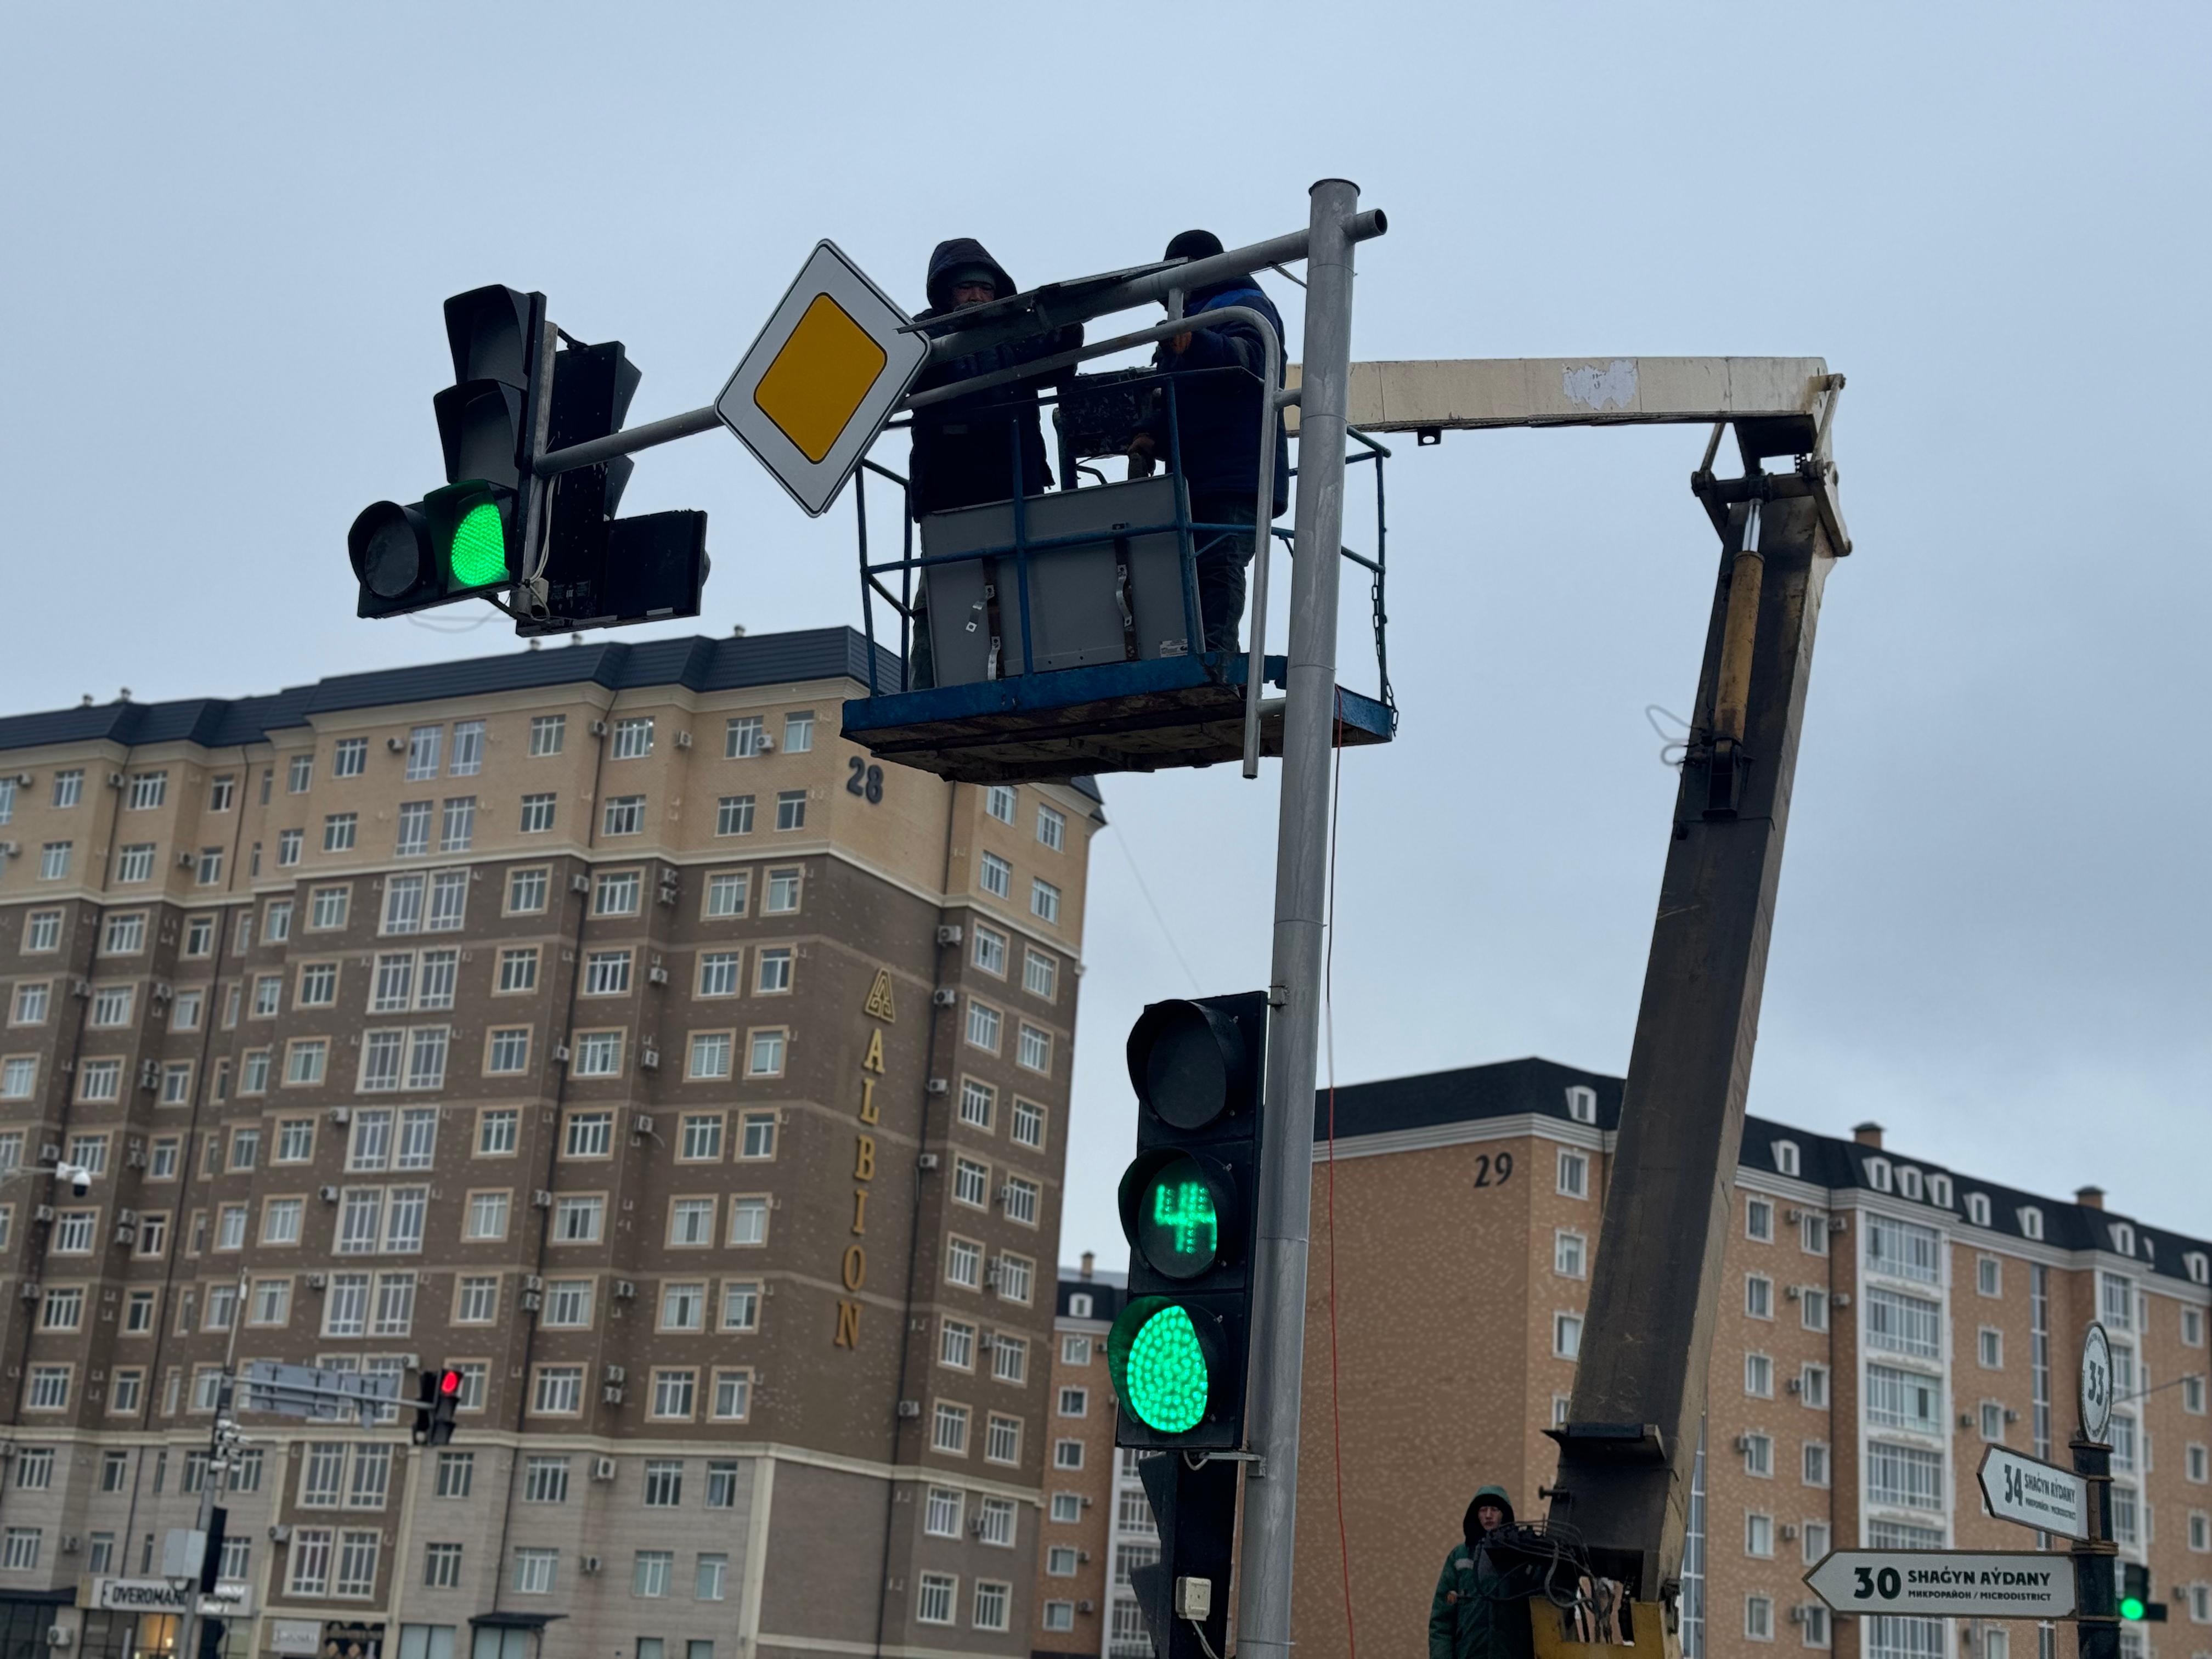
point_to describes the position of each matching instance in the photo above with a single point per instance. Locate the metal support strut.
(1278, 1350)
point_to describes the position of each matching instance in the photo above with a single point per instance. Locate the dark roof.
(698, 663)
(1516, 1087)
(1106, 1299)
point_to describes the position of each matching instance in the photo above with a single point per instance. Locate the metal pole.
(1263, 1618)
(2096, 1598)
(628, 441)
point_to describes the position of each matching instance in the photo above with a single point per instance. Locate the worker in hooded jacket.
(966, 449)
(1481, 1605)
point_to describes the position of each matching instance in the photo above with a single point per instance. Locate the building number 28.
(866, 780)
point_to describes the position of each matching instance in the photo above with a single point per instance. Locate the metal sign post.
(1263, 1616)
(2095, 1554)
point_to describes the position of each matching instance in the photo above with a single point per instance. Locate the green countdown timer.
(1163, 1364)
(479, 554)
(1178, 1220)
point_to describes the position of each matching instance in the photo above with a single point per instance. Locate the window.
(1574, 1175)
(733, 1396)
(148, 790)
(54, 865)
(1813, 1307)
(783, 891)
(1904, 1399)
(1904, 1324)
(711, 1580)
(773, 974)
(318, 985)
(798, 732)
(1044, 901)
(971, 1183)
(1566, 1336)
(487, 1216)
(999, 802)
(422, 746)
(765, 1055)
(1028, 1128)
(757, 1138)
(560, 1392)
(1758, 1454)
(634, 737)
(111, 1005)
(19, 1075)
(495, 1132)
(599, 1054)
(998, 876)
(414, 829)
(932, 1602)
(441, 1566)
(1040, 975)
(990, 952)
(993, 1599)
(700, 1138)
(1033, 1048)
(534, 1570)
(1758, 1220)
(135, 863)
(506, 1049)
(941, 1513)
(1988, 1349)
(741, 738)
(577, 1218)
(327, 908)
(1905, 1475)
(949, 1429)
(675, 1394)
(338, 829)
(1020, 1198)
(692, 1222)
(740, 1305)
(1758, 1296)
(1903, 1249)
(49, 1389)
(43, 931)
(983, 1023)
(124, 935)
(1992, 1420)
(1052, 827)
(683, 1305)
(1758, 1618)
(791, 809)
(1759, 1535)
(1067, 1453)
(607, 973)
(956, 1345)
(624, 815)
(1758, 1376)
(617, 893)
(1815, 1464)
(1568, 1253)
(69, 788)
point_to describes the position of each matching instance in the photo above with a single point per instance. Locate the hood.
(1470, 1526)
(949, 257)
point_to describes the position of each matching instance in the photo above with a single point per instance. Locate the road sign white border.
(2061, 1565)
(2094, 1335)
(814, 484)
(1993, 1451)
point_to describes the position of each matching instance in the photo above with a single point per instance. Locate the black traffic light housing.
(1196, 1510)
(2136, 1605)
(465, 541)
(437, 1399)
(1179, 1351)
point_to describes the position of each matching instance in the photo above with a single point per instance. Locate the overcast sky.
(228, 230)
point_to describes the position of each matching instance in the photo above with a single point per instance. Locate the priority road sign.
(1932, 1583)
(2033, 1493)
(816, 387)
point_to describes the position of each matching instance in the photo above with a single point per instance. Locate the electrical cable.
(1329, 1028)
(1124, 839)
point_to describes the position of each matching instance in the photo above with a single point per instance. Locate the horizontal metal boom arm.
(628, 441)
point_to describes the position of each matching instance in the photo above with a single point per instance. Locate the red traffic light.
(449, 1382)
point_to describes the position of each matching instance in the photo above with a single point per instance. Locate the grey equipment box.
(1118, 597)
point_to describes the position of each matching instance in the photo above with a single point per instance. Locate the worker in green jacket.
(1481, 1605)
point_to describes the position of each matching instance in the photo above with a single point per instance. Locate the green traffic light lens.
(2131, 1609)
(1166, 1382)
(1178, 1222)
(478, 554)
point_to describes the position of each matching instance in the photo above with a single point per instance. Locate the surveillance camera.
(80, 1182)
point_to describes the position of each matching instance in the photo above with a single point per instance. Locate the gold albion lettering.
(852, 1268)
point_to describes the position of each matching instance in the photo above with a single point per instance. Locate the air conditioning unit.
(9, 849)
(1797, 1615)
(1793, 1292)
(1082, 1557)
(163, 991)
(993, 1274)
(640, 1123)
(1795, 1385)
(1788, 1531)
(603, 1469)
(30, 1292)
(945, 996)
(590, 1565)
(531, 1302)
(579, 884)
(1086, 1606)
(1743, 1443)
(1965, 1419)
(61, 1636)
(648, 1059)
(683, 740)
(395, 744)
(656, 974)
(1793, 1217)
(598, 728)
(1007, 1193)
(328, 1194)
(318, 1281)
(927, 1162)
(50, 1152)
(125, 1235)
(1840, 1299)
(280, 1533)
(150, 1073)
(43, 1212)
(532, 1282)
(126, 1217)
(184, 860)
(625, 1289)
(611, 1394)
(135, 1157)
(83, 989)
(975, 1526)
(2011, 1416)
(1837, 1224)
(948, 934)
(341, 1115)
(115, 779)
(937, 1086)
(613, 1374)
(542, 1199)
(1087, 1500)
(23, 780)
(909, 1408)
(71, 1543)
(561, 1053)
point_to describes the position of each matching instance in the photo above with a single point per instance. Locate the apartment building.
(594, 1019)
(1084, 1559)
(1883, 1321)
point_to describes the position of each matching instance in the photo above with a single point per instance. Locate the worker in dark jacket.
(1217, 432)
(1481, 1605)
(963, 449)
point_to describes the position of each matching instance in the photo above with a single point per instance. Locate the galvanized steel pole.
(1263, 1617)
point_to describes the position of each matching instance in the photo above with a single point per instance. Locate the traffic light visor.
(1188, 1062)
(1165, 1358)
(1179, 1212)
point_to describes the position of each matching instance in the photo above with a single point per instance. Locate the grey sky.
(228, 230)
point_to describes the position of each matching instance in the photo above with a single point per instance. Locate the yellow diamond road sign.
(822, 377)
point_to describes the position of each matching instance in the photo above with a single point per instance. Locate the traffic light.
(601, 571)
(437, 1397)
(1188, 1202)
(466, 540)
(2136, 1605)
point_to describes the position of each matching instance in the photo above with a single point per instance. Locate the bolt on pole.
(1277, 1369)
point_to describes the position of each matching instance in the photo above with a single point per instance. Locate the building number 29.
(866, 780)
(1884, 1584)
(1483, 1169)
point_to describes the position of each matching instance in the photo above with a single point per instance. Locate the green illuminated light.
(1183, 1210)
(1167, 1382)
(2131, 1607)
(478, 558)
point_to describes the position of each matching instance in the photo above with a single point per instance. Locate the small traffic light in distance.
(465, 540)
(601, 571)
(2136, 1605)
(1178, 1351)
(448, 1383)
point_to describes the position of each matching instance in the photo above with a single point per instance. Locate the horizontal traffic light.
(454, 542)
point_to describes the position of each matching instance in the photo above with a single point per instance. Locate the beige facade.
(596, 1020)
(1086, 1523)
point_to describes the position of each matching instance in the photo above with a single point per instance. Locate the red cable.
(1328, 1000)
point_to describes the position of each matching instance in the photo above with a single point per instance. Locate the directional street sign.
(2096, 1383)
(822, 377)
(317, 1395)
(1930, 1583)
(2035, 1493)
